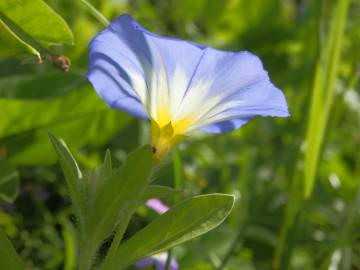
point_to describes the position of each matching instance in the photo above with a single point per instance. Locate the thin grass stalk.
(321, 102)
(323, 95)
(97, 14)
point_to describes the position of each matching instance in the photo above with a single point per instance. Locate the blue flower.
(179, 85)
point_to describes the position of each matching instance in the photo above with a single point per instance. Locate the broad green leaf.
(73, 175)
(181, 223)
(9, 181)
(37, 20)
(11, 44)
(118, 197)
(33, 147)
(156, 191)
(24, 125)
(19, 116)
(8, 257)
(46, 85)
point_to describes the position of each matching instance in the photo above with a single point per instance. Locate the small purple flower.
(157, 206)
(159, 260)
(179, 85)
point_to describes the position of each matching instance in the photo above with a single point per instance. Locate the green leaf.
(34, 148)
(23, 115)
(8, 257)
(40, 86)
(73, 175)
(11, 44)
(323, 94)
(118, 197)
(181, 223)
(156, 191)
(33, 24)
(24, 126)
(9, 181)
(70, 243)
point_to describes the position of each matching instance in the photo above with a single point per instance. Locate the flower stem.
(168, 260)
(178, 184)
(320, 109)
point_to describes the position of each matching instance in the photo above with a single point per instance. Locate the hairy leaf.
(119, 195)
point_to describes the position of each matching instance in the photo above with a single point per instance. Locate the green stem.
(178, 184)
(101, 18)
(323, 94)
(178, 178)
(168, 260)
(321, 103)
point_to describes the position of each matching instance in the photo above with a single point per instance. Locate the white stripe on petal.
(195, 102)
(177, 87)
(139, 86)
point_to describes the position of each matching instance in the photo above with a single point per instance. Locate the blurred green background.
(268, 164)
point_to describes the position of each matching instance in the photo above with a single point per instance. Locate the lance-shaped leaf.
(33, 24)
(8, 257)
(73, 175)
(183, 222)
(118, 197)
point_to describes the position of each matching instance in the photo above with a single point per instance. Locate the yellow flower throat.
(166, 133)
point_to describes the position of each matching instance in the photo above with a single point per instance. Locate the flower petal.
(145, 262)
(157, 206)
(228, 89)
(191, 85)
(226, 126)
(129, 63)
(118, 55)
